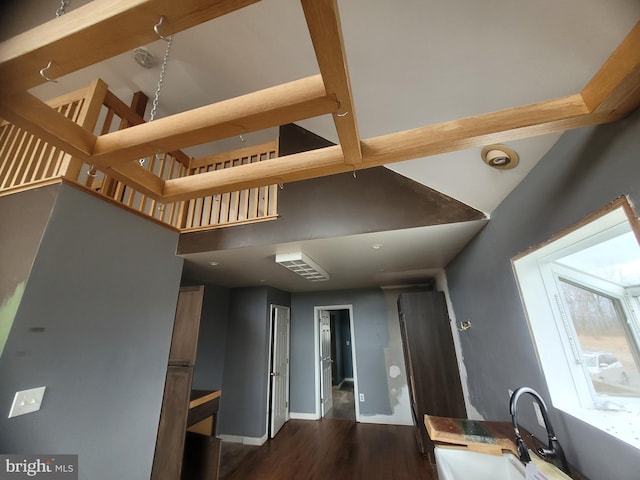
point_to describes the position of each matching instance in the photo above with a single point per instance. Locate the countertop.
(488, 437)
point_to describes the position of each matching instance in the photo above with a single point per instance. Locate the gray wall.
(243, 405)
(342, 366)
(23, 219)
(584, 171)
(347, 366)
(102, 295)
(212, 339)
(339, 205)
(377, 342)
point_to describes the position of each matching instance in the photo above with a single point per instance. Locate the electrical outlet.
(539, 416)
(362, 397)
(27, 401)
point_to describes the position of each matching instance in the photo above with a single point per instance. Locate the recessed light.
(377, 246)
(500, 157)
(214, 263)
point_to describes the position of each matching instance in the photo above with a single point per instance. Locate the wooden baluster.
(20, 137)
(28, 160)
(6, 138)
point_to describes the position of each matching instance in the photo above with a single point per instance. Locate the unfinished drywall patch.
(23, 218)
(472, 412)
(396, 370)
(8, 311)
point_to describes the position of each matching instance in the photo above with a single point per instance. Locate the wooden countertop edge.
(196, 402)
(502, 443)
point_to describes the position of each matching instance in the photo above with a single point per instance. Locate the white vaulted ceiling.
(412, 63)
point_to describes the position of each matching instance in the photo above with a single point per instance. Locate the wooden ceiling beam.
(138, 178)
(267, 108)
(300, 166)
(95, 32)
(36, 117)
(615, 88)
(540, 118)
(323, 20)
(515, 123)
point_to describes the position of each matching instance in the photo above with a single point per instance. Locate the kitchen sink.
(455, 463)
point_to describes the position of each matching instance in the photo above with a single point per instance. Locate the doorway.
(279, 369)
(336, 373)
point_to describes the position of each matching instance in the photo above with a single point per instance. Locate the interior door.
(326, 394)
(280, 369)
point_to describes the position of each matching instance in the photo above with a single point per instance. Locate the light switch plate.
(27, 401)
(539, 416)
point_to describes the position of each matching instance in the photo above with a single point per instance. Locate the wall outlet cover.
(27, 401)
(362, 397)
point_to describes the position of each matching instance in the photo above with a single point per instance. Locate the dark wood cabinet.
(167, 462)
(430, 360)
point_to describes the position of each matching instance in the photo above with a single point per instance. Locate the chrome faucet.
(554, 452)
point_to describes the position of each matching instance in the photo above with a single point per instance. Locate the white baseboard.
(384, 420)
(303, 416)
(256, 441)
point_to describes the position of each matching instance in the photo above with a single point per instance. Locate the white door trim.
(318, 366)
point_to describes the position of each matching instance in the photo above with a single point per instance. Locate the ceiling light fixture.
(302, 265)
(144, 57)
(214, 263)
(377, 246)
(500, 157)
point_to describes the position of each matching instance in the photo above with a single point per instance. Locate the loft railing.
(255, 204)
(28, 162)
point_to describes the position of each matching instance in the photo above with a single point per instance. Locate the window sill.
(623, 425)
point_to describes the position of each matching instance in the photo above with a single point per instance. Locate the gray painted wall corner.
(378, 347)
(94, 327)
(585, 170)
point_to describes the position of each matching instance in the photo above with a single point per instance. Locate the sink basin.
(461, 464)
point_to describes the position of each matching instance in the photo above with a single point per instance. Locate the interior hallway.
(344, 406)
(329, 449)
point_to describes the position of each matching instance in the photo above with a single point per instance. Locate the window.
(581, 293)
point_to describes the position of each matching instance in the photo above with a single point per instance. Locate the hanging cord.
(63, 8)
(163, 71)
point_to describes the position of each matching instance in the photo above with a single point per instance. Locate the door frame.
(272, 309)
(318, 364)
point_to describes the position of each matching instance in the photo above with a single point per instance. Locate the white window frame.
(559, 353)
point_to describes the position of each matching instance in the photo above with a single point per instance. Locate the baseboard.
(384, 420)
(230, 438)
(303, 416)
(255, 441)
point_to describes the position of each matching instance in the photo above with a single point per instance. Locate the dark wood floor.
(330, 449)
